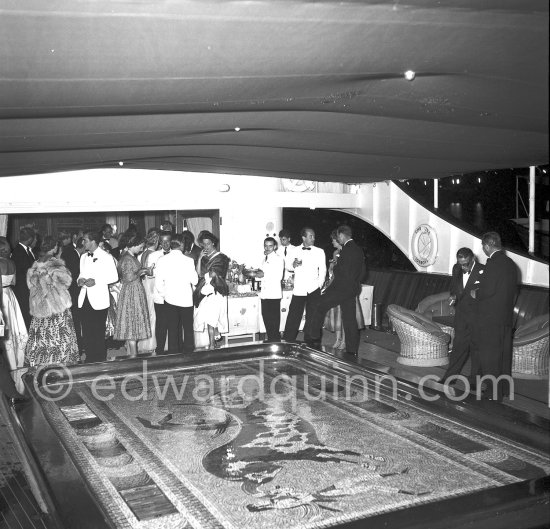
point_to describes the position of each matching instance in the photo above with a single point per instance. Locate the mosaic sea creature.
(194, 424)
(269, 435)
(288, 498)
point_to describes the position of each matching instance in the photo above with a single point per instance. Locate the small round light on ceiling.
(237, 129)
(410, 75)
(121, 164)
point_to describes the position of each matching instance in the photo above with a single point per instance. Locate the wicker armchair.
(423, 343)
(530, 349)
(438, 305)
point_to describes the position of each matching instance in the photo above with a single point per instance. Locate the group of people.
(62, 298)
(313, 289)
(484, 297)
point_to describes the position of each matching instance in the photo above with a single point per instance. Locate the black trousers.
(462, 346)
(332, 298)
(180, 318)
(295, 313)
(493, 354)
(161, 326)
(271, 314)
(93, 332)
(23, 295)
(75, 311)
(7, 386)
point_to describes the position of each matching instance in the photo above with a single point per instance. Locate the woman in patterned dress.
(52, 338)
(16, 335)
(151, 245)
(132, 315)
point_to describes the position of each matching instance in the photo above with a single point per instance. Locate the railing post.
(532, 209)
(436, 193)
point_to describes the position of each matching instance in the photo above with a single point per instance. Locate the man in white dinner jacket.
(161, 316)
(271, 272)
(97, 271)
(310, 269)
(176, 278)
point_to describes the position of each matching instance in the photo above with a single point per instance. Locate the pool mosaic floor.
(269, 444)
(272, 463)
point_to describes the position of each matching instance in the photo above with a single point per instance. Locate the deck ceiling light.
(410, 75)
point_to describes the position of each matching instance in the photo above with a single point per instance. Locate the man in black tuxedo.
(71, 256)
(495, 312)
(23, 257)
(467, 276)
(343, 291)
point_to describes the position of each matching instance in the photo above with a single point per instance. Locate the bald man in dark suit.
(343, 291)
(495, 314)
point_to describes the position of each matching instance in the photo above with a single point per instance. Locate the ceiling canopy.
(289, 89)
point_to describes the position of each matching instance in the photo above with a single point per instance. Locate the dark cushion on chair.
(532, 331)
(436, 305)
(418, 321)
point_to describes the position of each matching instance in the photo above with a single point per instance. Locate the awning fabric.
(289, 89)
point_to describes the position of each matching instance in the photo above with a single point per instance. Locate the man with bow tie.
(467, 276)
(161, 309)
(495, 315)
(97, 272)
(270, 272)
(309, 275)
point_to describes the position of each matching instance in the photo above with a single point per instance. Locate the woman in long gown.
(151, 245)
(333, 319)
(52, 338)
(132, 315)
(15, 336)
(212, 290)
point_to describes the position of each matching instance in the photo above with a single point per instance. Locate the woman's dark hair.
(130, 238)
(48, 244)
(106, 246)
(152, 237)
(205, 234)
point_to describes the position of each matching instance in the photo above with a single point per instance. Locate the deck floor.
(379, 350)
